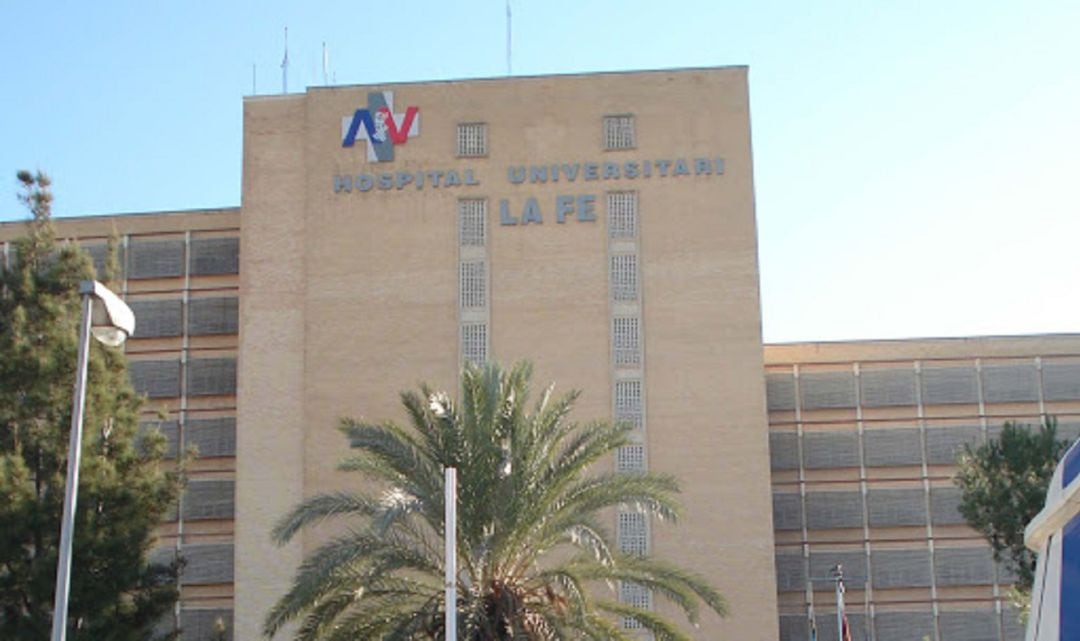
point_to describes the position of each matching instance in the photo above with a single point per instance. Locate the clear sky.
(916, 163)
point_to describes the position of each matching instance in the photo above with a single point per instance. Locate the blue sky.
(916, 163)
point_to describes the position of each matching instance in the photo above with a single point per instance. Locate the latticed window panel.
(619, 132)
(626, 340)
(622, 210)
(633, 533)
(636, 595)
(472, 222)
(474, 342)
(628, 402)
(630, 459)
(624, 277)
(473, 284)
(472, 139)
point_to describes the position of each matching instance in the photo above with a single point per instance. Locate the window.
(474, 342)
(473, 284)
(626, 340)
(636, 595)
(628, 402)
(472, 222)
(624, 277)
(633, 535)
(622, 214)
(472, 139)
(619, 132)
(630, 459)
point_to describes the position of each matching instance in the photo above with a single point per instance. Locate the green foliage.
(124, 489)
(531, 543)
(1004, 486)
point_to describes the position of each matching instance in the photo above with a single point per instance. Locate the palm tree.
(531, 546)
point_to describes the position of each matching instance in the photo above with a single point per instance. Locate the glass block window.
(630, 459)
(628, 402)
(636, 595)
(633, 534)
(624, 277)
(619, 132)
(472, 222)
(622, 214)
(474, 342)
(473, 286)
(626, 340)
(472, 139)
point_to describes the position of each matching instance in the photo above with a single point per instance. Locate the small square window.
(619, 132)
(472, 140)
(630, 459)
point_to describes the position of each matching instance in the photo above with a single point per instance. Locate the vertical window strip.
(472, 222)
(624, 277)
(472, 139)
(473, 284)
(622, 214)
(626, 340)
(619, 132)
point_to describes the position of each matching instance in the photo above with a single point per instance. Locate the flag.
(845, 629)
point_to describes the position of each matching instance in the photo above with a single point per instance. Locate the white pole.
(509, 30)
(67, 526)
(840, 602)
(450, 527)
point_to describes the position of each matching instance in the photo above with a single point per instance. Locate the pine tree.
(125, 488)
(1004, 485)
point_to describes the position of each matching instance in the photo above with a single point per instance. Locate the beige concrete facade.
(351, 296)
(864, 438)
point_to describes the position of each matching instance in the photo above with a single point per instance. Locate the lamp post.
(110, 321)
(450, 527)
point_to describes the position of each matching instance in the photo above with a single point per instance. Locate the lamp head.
(112, 321)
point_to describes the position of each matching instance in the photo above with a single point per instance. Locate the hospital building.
(603, 227)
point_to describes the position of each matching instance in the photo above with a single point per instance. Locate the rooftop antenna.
(509, 68)
(253, 90)
(325, 64)
(285, 65)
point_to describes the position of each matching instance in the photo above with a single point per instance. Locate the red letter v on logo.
(399, 135)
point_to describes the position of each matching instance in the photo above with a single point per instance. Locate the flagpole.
(838, 571)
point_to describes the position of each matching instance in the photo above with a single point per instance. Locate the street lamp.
(110, 321)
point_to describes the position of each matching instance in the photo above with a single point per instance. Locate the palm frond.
(318, 508)
(661, 628)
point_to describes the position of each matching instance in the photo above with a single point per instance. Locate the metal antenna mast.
(509, 67)
(285, 65)
(325, 64)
